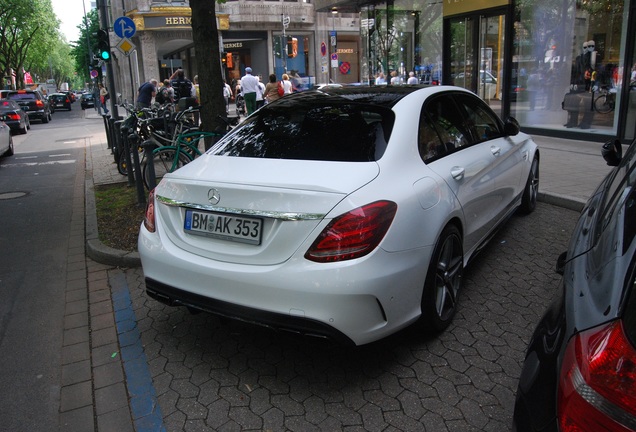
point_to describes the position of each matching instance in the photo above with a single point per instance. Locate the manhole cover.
(11, 195)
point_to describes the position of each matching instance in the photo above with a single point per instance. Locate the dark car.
(579, 372)
(87, 100)
(32, 101)
(14, 116)
(60, 100)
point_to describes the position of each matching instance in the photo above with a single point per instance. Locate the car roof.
(386, 96)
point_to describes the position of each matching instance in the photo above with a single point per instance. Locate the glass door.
(477, 55)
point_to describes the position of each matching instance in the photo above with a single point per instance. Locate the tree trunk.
(206, 47)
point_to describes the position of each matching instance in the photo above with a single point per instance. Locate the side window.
(483, 122)
(429, 144)
(448, 122)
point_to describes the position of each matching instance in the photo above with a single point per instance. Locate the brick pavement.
(146, 366)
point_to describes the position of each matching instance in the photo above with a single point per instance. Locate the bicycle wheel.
(602, 104)
(165, 160)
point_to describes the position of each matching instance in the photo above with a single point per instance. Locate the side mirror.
(511, 126)
(612, 152)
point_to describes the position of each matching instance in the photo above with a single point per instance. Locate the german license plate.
(232, 228)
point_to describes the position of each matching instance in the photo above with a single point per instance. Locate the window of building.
(575, 50)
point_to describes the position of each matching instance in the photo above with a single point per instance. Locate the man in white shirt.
(412, 79)
(249, 86)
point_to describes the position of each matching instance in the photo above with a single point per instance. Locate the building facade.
(561, 67)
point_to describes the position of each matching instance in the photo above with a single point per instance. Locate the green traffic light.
(105, 55)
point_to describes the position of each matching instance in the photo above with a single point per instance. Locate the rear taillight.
(39, 104)
(597, 385)
(149, 216)
(353, 234)
(13, 116)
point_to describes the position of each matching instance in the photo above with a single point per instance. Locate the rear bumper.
(352, 302)
(301, 326)
(38, 115)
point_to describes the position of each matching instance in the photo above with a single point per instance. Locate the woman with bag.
(271, 89)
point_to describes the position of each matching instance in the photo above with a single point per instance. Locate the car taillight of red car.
(353, 234)
(597, 386)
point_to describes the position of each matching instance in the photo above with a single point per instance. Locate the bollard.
(133, 142)
(117, 141)
(108, 131)
(126, 154)
(149, 146)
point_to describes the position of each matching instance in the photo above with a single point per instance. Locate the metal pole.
(103, 20)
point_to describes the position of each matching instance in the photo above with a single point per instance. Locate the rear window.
(329, 131)
(21, 96)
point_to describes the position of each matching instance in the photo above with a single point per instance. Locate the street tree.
(29, 31)
(206, 47)
(83, 49)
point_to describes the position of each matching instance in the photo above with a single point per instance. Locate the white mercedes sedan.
(343, 213)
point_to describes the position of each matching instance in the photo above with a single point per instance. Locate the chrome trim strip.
(285, 216)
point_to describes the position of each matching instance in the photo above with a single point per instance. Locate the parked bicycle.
(605, 102)
(184, 147)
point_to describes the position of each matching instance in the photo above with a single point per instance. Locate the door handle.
(457, 172)
(496, 151)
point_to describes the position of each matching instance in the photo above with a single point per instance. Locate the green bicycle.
(183, 150)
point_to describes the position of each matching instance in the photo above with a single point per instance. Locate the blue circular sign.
(124, 27)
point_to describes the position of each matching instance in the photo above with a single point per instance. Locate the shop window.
(577, 52)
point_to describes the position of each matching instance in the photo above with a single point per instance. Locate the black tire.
(23, 130)
(45, 119)
(164, 163)
(602, 104)
(531, 190)
(443, 281)
(11, 149)
(28, 123)
(122, 166)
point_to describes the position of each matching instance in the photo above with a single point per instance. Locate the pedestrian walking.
(288, 87)
(146, 92)
(249, 86)
(271, 89)
(260, 93)
(412, 79)
(103, 97)
(183, 87)
(227, 95)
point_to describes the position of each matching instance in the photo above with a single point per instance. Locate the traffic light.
(103, 45)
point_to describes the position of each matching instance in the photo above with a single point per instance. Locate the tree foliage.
(83, 49)
(29, 33)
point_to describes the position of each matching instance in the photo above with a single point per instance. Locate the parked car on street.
(87, 100)
(6, 140)
(579, 372)
(60, 100)
(344, 213)
(32, 101)
(14, 116)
